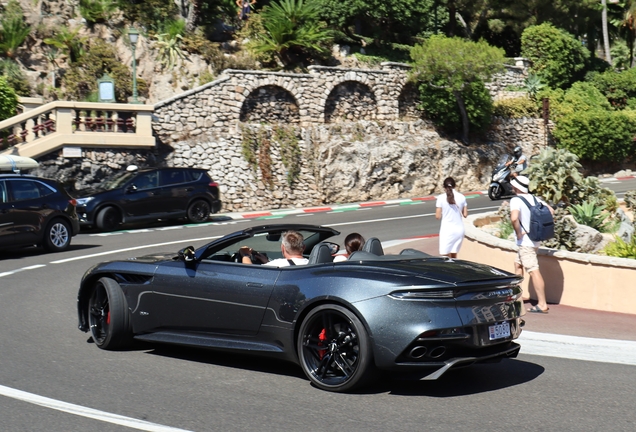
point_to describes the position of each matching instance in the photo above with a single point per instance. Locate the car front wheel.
(57, 236)
(108, 219)
(334, 349)
(108, 315)
(199, 211)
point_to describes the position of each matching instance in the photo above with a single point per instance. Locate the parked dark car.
(35, 211)
(340, 322)
(147, 195)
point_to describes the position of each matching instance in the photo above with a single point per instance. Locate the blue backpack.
(541, 221)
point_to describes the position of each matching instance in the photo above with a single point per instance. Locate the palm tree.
(292, 28)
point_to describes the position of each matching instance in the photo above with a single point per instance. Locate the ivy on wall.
(256, 149)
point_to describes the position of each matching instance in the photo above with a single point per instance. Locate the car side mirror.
(187, 254)
(131, 189)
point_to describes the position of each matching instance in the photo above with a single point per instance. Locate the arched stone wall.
(270, 104)
(350, 101)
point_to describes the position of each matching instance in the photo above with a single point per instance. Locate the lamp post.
(133, 35)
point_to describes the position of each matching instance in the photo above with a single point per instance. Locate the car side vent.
(135, 278)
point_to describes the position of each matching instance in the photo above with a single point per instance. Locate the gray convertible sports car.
(341, 321)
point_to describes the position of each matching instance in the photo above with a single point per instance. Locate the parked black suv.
(141, 195)
(35, 211)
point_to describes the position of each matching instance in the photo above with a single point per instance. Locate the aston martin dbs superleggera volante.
(341, 321)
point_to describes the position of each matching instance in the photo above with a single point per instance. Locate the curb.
(275, 214)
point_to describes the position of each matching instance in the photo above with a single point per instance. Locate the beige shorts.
(527, 257)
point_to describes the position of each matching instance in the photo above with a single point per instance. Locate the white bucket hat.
(521, 183)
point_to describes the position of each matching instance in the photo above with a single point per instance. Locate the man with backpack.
(532, 223)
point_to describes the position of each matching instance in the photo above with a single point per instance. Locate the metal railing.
(49, 127)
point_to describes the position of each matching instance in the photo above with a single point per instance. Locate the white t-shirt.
(524, 217)
(282, 262)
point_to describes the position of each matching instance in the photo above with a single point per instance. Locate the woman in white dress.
(450, 208)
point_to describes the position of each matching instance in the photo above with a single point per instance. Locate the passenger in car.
(292, 248)
(353, 242)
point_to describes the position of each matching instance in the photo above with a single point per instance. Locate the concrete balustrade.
(51, 126)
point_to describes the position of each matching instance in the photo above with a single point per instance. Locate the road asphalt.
(563, 320)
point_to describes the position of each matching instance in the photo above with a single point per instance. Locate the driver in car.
(292, 247)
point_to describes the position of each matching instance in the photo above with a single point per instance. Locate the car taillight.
(73, 202)
(213, 184)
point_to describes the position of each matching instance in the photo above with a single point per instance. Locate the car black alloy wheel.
(108, 315)
(334, 349)
(494, 192)
(108, 219)
(57, 236)
(199, 211)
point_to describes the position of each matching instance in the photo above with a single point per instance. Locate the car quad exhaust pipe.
(420, 351)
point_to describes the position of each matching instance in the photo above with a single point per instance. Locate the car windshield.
(118, 180)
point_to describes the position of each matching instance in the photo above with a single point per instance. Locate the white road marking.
(22, 269)
(132, 249)
(86, 412)
(578, 348)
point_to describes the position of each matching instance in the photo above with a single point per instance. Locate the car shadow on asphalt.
(245, 361)
(474, 379)
(470, 380)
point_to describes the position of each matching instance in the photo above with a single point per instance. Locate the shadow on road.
(470, 380)
(37, 251)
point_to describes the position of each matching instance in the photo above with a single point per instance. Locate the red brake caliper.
(322, 337)
(108, 318)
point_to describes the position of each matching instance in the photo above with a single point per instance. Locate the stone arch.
(270, 104)
(350, 101)
(408, 101)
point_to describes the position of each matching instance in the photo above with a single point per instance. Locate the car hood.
(92, 191)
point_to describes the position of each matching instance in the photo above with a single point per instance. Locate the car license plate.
(499, 331)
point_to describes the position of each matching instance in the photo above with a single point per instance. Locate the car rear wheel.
(57, 236)
(334, 349)
(108, 315)
(108, 219)
(199, 211)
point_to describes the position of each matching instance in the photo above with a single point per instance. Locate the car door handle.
(189, 189)
(254, 285)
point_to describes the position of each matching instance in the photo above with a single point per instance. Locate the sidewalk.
(565, 320)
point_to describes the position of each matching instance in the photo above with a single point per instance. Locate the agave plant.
(590, 214)
(169, 49)
(533, 84)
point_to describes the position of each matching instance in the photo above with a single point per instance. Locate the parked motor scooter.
(500, 183)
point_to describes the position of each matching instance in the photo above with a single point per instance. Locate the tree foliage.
(8, 100)
(556, 56)
(455, 65)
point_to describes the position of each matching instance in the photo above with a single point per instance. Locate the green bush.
(555, 176)
(8, 100)
(557, 57)
(97, 11)
(440, 105)
(604, 136)
(80, 80)
(621, 249)
(617, 87)
(16, 79)
(13, 29)
(515, 108)
(150, 14)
